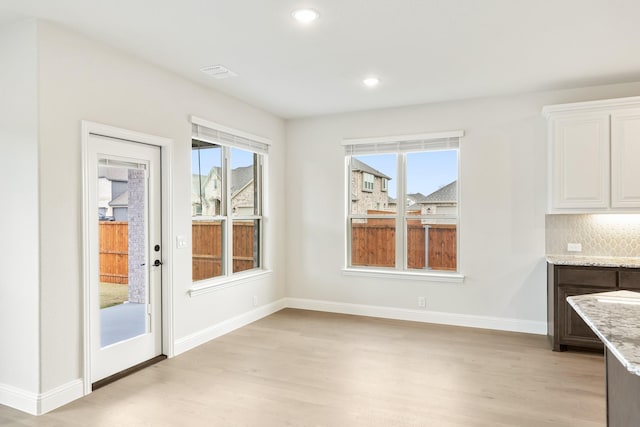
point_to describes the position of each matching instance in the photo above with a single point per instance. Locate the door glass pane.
(122, 226)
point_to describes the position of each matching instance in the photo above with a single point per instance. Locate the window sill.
(430, 276)
(219, 284)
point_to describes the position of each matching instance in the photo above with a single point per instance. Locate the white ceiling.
(423, 50)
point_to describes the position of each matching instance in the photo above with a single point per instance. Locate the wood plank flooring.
(304, 368)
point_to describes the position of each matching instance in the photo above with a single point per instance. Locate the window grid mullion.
(401, 263)
(228, 238)
(348, 213)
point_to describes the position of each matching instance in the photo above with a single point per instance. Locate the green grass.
(113, 294)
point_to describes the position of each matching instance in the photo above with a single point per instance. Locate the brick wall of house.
(137, 237)
(375, 200)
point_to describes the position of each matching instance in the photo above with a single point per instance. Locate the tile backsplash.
(610, 235)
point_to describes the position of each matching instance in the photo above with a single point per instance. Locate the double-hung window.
(227, 174)
(409, 222)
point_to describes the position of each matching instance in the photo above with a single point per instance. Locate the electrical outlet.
(574, 247)
(255, 300)
(422, 302)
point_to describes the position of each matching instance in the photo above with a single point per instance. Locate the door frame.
(88, 215)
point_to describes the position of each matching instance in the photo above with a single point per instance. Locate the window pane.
(207, 254)
(432, 246)
(246, 245)
(372, 184)
(432, 182)
(206, 179)
(244, 191)
(373, 242)
(432, 197)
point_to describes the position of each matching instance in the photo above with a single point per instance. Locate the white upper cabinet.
(594, 156)
(580, 162)
(625, 159)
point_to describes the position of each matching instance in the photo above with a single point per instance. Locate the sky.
(211, 157)
(426, 171)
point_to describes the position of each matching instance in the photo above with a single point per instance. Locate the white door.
(125, 254)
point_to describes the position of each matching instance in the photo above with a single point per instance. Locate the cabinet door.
(579, 162)
(573, 330)
(625, 159)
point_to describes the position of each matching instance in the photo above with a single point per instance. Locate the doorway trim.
(88, 214)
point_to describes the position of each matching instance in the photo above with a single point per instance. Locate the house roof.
(448, 193)
(358, 165)
(120, 201)
(416, 197)
(240, 177)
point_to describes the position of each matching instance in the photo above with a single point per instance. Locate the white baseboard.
(19, 399)
(455, 319)
(60, 396)
(40, 403)
(191, 341)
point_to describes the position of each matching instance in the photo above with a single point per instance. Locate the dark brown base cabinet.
(564, 327)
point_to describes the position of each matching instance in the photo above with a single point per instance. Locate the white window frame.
(384, 184)
(229, 138)
(400, 146)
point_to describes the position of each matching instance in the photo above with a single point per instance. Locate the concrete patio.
(121, 322)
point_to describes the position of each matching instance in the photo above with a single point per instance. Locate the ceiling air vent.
(218, 71)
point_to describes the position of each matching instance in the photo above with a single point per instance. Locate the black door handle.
(157, 263)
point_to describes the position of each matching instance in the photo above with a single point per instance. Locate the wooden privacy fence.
(206, 237)
(373, 244)
(206, 244)
(114, 251)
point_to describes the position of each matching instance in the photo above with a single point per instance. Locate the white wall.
(81, 79)
(19, 251)
(502, 226)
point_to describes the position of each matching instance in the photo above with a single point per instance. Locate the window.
(420, 235)
(367, 182)
(226, 201)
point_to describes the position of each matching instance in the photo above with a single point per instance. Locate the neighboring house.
(369, 193)
(120, 207)
(206, 193)
(206, 202)
(368, 188)
(441, 201)
(112, 186)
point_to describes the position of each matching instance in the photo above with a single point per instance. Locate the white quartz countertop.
(596, 261)
(615, 318)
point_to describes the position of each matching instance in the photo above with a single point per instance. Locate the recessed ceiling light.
(305, 16)
(371, 81)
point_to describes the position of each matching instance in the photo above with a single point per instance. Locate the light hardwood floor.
(304, 368)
